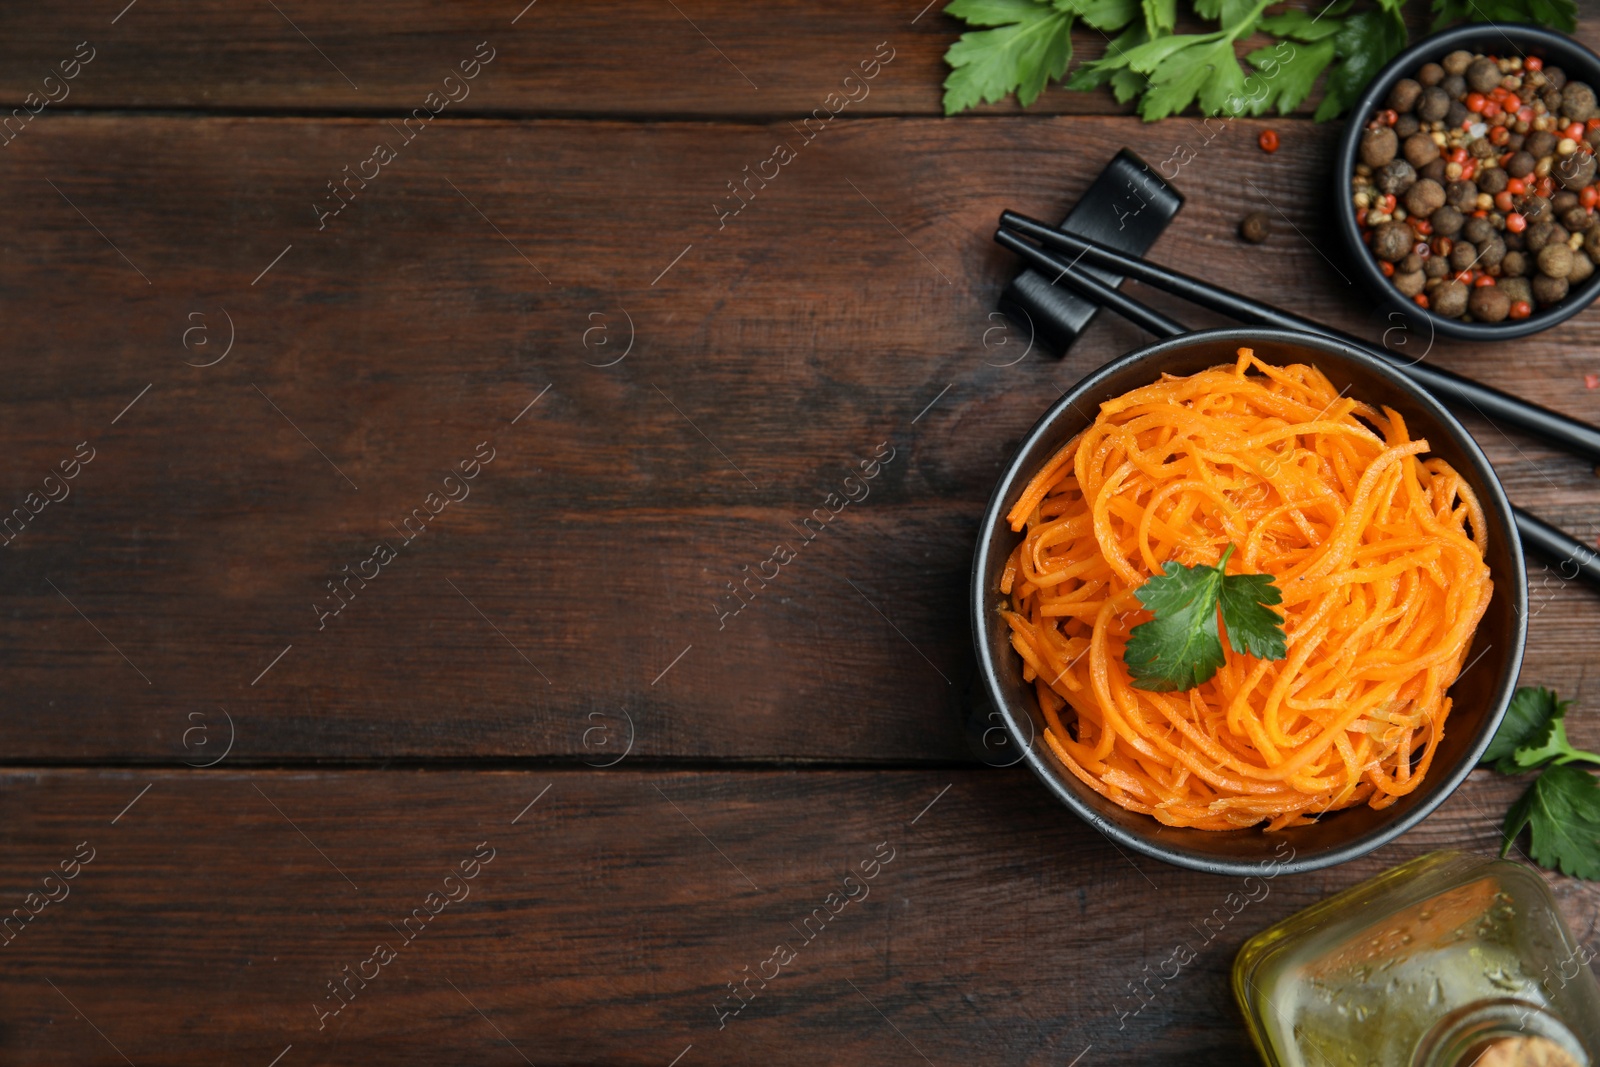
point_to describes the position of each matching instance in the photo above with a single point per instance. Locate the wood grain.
(700, 58)
(847, 307)
(612, 915)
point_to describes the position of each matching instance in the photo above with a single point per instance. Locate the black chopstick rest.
(1127, 207)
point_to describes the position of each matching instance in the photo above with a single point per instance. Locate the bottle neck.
(1502, 1032)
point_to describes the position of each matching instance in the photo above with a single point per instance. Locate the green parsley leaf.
(1101, 14)
(1559, 14)
(1181, 647)
(1562, 810)
(1160, 16)
(1030, 44)
(1301, 25)
(1530, 711)
(1285, 74)
(1364, 43)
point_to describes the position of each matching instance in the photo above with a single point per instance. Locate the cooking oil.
(1447, 961)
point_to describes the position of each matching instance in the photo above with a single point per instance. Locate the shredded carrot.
(1379, 554)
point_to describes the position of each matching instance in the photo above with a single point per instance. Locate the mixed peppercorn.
(1476, 189)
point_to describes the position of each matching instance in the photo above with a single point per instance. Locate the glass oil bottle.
(1446, 961)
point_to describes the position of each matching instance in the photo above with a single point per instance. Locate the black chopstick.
(1536, 534)
(1564, 432)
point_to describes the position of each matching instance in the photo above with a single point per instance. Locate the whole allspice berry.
(1392, 241)
(1403, 97)
(1255, 227)
(1577, 101)
(1488, 304)
(1424, 198)
(1540, 143)
(1379, 146)
(1409, 283)
(1555, 260)
(1447, 221)
(1434, 104)
(1575, 171)
(1395, 178)
(1548, 290)
(1482, 74)
(1449, 299)
(1420, 150)
(1516, 289)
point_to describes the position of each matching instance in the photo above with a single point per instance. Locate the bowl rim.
(1430, 48)
(1061, 783)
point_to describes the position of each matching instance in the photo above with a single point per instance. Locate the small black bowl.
(1490, 38)
(1004, 702)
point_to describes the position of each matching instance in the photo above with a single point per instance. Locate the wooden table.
(535, 329)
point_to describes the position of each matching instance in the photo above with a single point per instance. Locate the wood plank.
(847, 306)
(613, 913)
(633, 57)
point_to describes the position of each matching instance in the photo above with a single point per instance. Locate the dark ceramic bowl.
(1480, 698)
(1491, 38)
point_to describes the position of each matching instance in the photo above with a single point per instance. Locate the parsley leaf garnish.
(1027, 43)
(1181, 647)
(1557, 14)
(1562, 809)
(1534, 734)
(1530, 713)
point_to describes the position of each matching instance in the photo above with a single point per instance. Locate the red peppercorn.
(1593, 124)
(1387, 268)
(1574, 131)
(1502, 200)
(1475, 102)
(1361, 217)
(1483, 280)
(1464, 277)
(1499, 135)
(1458, 155)
(1389, 202)
(1521, 309)
(1442, 246)
(1516, 222)
(1268, 139)
(1546, 187)
(1516, 187)
(1533, 63)
(1589, 196)
(1469, 169)
(1420, 226)
(1480, 214)
(1421, 299)
(1491, 110)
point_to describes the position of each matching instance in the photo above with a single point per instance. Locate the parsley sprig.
(1561, 809)
(1023, 45)
(1180, 647)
